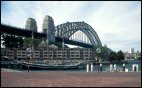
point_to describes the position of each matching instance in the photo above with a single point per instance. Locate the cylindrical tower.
(49, 28)
(31, 24)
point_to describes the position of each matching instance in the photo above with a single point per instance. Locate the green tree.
(120, 55)
(11, 41)
(104, 52)
(112, 56)
(108, 54)
(29, 41)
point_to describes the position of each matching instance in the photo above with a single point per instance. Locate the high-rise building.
(132, 51)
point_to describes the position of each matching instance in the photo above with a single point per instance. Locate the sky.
(117, 23)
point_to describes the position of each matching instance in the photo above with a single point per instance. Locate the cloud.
(118, 22)
(124, 45)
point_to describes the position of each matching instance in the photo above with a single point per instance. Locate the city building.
(51, 54)
(132, 55)
(132, 51)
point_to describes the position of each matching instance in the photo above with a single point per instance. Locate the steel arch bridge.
(66, 30)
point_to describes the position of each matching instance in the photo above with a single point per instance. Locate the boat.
(50, 67)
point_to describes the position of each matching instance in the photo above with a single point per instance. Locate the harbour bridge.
(86, 37)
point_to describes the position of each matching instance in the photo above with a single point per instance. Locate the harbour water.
(105, 67)
(128, 66)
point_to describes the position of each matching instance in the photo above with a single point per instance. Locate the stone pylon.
(49, 28)
(31, 24)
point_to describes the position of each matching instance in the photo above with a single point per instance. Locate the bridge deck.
(27, 33)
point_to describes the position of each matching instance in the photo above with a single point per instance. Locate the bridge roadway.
(27, 33)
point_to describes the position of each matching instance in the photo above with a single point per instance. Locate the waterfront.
(70, 79)
(105, 67)
(128, 66)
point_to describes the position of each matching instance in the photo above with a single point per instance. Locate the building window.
(45, 55)
(45, 52)
(50, 55)
(77, 55)
(72, 52)
(36, 55)
(59, 52)
(72, 55)
(64, 55)
(59, 55)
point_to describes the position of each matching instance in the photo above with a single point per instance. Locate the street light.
(63, 49)
(98, 50)
(28, 52)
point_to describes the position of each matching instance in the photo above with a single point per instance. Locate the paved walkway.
(70, 79)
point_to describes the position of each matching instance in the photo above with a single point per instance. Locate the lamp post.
(98, 50)
(63, 50)
(28, 52)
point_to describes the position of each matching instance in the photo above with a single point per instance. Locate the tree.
(108, 54)
(112, 56)
(11, 41)
(120, 55)
(29, 41)
(104, 52)
(116, 56)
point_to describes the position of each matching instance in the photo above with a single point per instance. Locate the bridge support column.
(135, 67)
(126, 70)
(114, 67)
(87, 68)
(101, 68)
(111, 67)
(92, 67)
(123, 67)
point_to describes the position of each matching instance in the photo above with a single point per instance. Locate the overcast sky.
(118, 23)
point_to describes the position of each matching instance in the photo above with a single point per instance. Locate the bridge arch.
(68, 29)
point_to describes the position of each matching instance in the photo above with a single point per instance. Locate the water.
(127, 66)
(105, 67)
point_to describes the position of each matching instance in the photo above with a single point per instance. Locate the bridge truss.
(66, 30)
